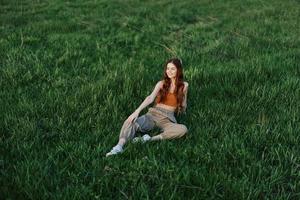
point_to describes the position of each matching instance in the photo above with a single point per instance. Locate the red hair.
(178, 87)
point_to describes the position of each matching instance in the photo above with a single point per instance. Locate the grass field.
(72, 71)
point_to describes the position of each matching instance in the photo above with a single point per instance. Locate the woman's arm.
(149, 99)
(185, 90)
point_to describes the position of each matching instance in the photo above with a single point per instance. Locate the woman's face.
(171, 70)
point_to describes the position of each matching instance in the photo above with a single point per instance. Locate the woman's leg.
(143, 123)
(170, 131)
(157, 137)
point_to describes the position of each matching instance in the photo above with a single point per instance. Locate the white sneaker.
(136, 139)
(143, 139)
(115, 150)
(146, 137)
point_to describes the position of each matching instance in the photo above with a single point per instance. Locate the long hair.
(179, 84)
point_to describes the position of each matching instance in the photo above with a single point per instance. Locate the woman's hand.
(132, 118)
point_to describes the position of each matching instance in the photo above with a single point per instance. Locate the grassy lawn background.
(72, 71)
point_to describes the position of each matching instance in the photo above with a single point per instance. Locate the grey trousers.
(162, 118)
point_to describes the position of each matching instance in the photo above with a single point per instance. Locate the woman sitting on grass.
(171, 96)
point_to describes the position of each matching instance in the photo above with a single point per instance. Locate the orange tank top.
(170, 100)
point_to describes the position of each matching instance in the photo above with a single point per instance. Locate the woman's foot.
(115, 150)
(142, 139)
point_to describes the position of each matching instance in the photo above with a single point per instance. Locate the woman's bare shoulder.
(186, 84)
(160, 83)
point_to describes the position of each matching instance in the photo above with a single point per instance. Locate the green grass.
(71, 73)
